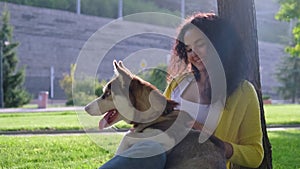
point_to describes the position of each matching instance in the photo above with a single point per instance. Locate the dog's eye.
(106, 94)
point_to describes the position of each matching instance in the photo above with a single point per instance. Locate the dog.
(153, 117)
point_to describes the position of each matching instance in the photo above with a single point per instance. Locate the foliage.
(13, 79)
(84, 90)
(99, 88)
(266, 97)
(103, 8)
(289, 70)
(289, 9)
(156, 76)
(288, 74)
(66, 82)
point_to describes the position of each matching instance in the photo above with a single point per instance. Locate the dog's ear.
(122, 73)
(119, 67)
(122, 66)
(125, 69)
(115, 63)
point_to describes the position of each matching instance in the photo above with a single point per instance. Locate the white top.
(198, 111)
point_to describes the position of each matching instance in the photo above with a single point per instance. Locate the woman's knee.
(148, 154)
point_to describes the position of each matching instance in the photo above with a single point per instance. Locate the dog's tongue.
(104, 122)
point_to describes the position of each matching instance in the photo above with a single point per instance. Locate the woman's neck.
(204, 87)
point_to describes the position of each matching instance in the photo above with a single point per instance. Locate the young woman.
(202, 37)
(214, 53)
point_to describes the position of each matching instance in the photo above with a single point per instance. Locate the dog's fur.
(129, 98)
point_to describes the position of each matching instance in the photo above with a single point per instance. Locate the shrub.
(80, 91)
(156, 76)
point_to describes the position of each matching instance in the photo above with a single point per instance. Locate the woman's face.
(196, 47)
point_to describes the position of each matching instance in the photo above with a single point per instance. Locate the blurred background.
(51, 34)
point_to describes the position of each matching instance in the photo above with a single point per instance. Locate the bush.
(79, 92)
(266, 97)
(156, 76)
(85, 88)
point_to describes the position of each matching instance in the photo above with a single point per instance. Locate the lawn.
(76, 151)
(282, 114)
(92, 150)
(81, 151)
(40, 121)
(70, 120)
(285, 147)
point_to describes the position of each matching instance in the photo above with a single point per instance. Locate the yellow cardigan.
(239, 125)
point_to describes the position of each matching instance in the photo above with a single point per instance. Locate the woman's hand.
(228, 150)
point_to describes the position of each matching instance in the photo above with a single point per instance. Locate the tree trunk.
(241, 13)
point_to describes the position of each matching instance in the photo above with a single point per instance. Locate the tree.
(241, 13)
(14, 93)
(289, 75)
(289, 70)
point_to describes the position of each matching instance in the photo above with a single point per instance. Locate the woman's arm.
(248, 150)
(240, 128)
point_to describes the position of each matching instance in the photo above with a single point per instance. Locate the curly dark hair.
(226, 42)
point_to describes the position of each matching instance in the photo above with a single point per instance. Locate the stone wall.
(49, 38)
(54, 38)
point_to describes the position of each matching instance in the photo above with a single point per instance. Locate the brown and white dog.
(129, 98)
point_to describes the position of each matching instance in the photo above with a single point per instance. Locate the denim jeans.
(125, 160)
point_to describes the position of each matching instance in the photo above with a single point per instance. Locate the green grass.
(39, 121)
(77, 151)
(70, 120)
(282, 114)
(81, 151)
(30, 106)
(285, 148)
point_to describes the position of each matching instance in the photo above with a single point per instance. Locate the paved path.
(283, 127)
(35, 110)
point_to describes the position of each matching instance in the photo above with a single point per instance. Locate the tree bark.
(241, 13)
